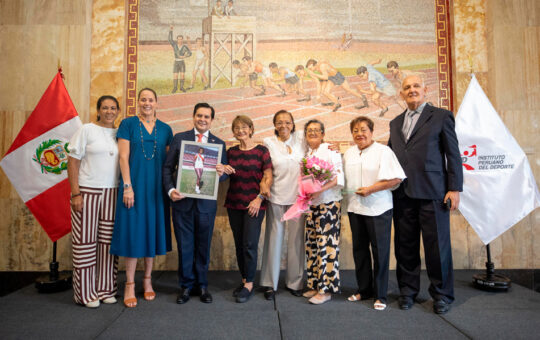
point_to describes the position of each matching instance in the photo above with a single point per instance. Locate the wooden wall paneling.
(34, 35)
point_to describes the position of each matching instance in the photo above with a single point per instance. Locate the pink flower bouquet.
(314, 174)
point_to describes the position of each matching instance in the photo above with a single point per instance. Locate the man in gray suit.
(424, 140)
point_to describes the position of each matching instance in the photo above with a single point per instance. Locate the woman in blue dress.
(142, 225)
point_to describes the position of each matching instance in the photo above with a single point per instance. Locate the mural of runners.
(313, 62)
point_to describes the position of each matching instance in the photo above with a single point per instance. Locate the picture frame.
(197, 175)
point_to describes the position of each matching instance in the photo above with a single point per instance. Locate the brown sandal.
(130, 302)
(149, 296)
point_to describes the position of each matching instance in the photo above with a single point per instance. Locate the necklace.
(147, 120)
(142, 141)
(107, 140)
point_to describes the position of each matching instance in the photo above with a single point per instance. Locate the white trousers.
(273, 240)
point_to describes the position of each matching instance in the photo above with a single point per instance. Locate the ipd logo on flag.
(469, 158)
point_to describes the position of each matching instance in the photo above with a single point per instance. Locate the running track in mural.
(177, 109)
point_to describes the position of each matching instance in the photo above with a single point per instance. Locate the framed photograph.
(197, 176)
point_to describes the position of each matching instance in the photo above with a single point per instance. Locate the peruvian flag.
(36, 162)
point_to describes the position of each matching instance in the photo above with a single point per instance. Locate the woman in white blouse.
(371, 171)
(323, 221)
(93, 177)
(286, 148)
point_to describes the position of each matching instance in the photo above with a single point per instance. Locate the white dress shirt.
(334, 193)
(204, 137)
(363, 168)
(285, 167)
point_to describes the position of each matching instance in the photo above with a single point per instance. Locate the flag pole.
(491, 281)
(55, 281)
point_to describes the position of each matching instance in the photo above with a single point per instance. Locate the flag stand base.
(54, 282)
(490, 281)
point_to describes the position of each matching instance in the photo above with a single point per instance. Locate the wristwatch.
(127, 185)
(261, 197)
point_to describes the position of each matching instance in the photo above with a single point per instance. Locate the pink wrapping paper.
(306, 186)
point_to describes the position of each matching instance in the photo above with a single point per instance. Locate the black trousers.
(246, 231)
(413, 217)
(375, 231)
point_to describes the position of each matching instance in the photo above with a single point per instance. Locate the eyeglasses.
(313, 130)
(241, 128)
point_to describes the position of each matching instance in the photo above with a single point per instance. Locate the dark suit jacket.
(170, 172)
(431, 158)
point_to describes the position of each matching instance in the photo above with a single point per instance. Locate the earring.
(98, 117)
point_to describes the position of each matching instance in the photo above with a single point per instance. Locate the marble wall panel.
(107, 52)
(470, 42)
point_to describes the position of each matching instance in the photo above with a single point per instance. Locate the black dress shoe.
(269, 294)
(183, 296)
(440, 307)
(405, 302)
(206, 297)
(295, 292)
(237, 290)
(244, 295)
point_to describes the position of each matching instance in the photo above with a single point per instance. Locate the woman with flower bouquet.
(323, 222)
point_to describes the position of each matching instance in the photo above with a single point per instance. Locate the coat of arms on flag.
(51, 155)
(36, 162)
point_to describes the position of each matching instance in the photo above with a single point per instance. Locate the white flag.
(499, 188)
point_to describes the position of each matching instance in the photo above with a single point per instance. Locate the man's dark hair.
(199, 105)
(311, 62)
(393, 64)
(361, 70)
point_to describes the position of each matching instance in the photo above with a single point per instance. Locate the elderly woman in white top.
(286, 148)
(372, 171)
(93, 177)
(323, 221)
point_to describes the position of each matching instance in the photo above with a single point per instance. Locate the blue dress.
(145, 229)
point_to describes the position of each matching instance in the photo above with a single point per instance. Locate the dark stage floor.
(475, 314)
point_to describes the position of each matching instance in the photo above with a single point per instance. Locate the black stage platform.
(475, 314)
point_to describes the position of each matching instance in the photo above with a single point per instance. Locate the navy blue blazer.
(170, 172)
(430, 158)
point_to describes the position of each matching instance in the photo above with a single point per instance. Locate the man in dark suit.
(193, 219)
(425, 143)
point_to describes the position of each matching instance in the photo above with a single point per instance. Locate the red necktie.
(199, 137)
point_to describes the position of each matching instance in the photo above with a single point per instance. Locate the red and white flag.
(499, 188)
(36, 162)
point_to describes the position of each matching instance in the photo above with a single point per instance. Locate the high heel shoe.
(149, 296)
(130, 302)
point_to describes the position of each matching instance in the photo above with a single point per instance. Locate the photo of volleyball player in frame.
(197, 176)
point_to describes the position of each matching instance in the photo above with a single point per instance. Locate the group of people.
(415, 181)
(326, 78)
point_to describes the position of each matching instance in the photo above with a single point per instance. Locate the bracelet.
(75, 195)
(261, 197)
